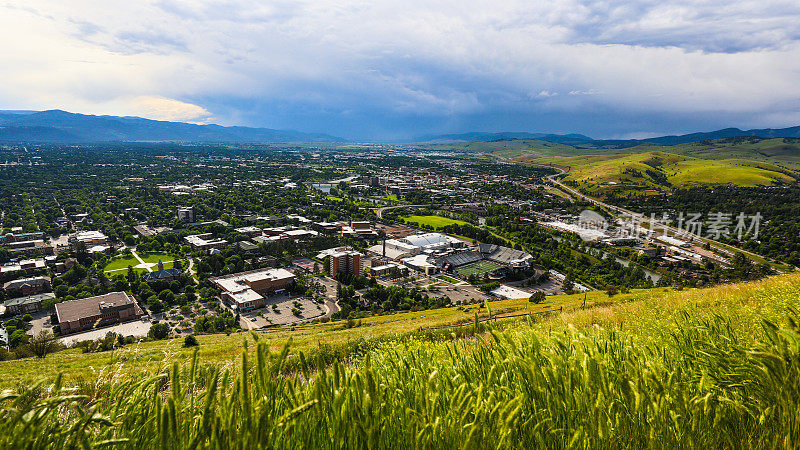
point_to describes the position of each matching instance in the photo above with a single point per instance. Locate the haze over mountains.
(57, 126)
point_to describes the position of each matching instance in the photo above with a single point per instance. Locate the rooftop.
(33, 281)
(29, 299)
(73, 310)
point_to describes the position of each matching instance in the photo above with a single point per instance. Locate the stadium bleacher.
(463, 258)
(503, 255)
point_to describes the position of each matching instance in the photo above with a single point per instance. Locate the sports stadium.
(494, 260)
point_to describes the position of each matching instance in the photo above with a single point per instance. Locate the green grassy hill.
(663, 171)
(785, 151)
(743, 161)
(713, 367)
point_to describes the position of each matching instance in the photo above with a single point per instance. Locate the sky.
(392, 70)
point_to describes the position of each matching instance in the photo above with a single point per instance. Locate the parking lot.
(138, 328)
(463, 294)
(551, 286)
(41, 322)
(279, 312)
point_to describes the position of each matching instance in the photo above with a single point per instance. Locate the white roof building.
(509, 292)
(390, 252)
(297, 234)
(421, 263)
(672, 241)
(91, 237)
(431, 241)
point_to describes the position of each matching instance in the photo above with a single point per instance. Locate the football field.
(478, 268)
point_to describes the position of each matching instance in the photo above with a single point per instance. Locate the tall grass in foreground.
(704, 381)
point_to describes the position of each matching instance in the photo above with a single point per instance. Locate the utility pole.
(584, 300)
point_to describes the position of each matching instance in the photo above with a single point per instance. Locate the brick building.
(94, 312)
(246, 290)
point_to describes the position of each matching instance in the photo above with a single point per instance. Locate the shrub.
(537, 297)
(159, 331)
(190, 341)
(43, 343)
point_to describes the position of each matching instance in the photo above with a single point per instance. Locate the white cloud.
(160, 108)
(545, 94)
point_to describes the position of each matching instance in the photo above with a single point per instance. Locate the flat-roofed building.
(421, 263)
(36, 246)
(360, 229)
(247, 290)
(669, 240)
(301, 234)
(91, 238)
(275, 231)
(28, 304)
(386, 269)
(431, 241)
(298, 218)
(205, 241)
(28, 265)
(22, 237)
(330, 227)
(347, 261)
(186, 213)
(94, 312)
(249, 231)
(401, 246)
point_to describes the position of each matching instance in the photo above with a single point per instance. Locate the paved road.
(330, 293)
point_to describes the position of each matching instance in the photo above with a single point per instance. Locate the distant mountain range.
(581, 140)
(766, 133)
(571, 139)
(56, 126)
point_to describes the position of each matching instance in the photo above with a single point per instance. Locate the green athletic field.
(435, 222)
(478, 268)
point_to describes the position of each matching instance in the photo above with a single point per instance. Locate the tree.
(155, 305)
(537, 297)
(43, 343)
(167, 297)
(159, 331)
(612, 290)
(190, 341)
(61, 290)
(569, 285)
